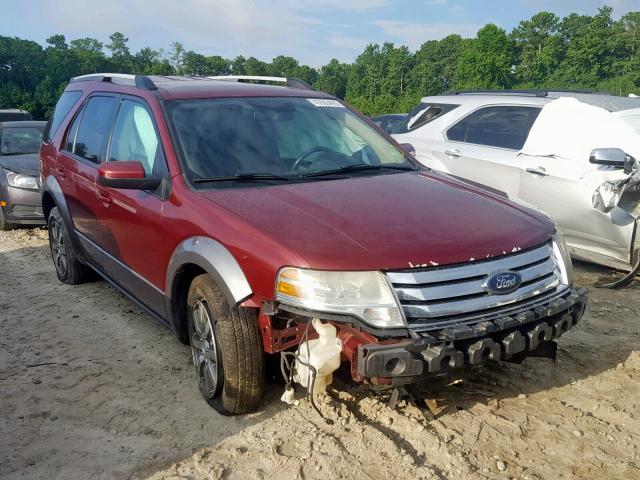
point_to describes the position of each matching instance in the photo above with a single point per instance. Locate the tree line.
(577, 51)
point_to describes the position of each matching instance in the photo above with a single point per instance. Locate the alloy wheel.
(204, 350)
(58, 248)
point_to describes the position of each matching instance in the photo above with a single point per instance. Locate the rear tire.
(4, 225)
(226, 349)
(68, 269)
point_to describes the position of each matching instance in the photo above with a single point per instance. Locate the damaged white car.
(570, 154)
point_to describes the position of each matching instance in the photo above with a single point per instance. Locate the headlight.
(366, 295)
(562, 258)
(21, 180)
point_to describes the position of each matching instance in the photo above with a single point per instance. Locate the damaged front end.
(450, 317)
(623, 193)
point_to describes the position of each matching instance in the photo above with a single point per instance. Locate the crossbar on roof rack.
(139, 81)
(290, 82)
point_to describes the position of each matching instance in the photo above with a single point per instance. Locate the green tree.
(88, 54)
(538, 49)
(486, 63)
(176, 56)
(333, 78)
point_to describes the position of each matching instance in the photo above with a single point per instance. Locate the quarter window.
(63, 107)
(94, 128)
(135, 138)
(502, 127)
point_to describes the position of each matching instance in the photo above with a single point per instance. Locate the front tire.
(4, 225)
(226, 349)
(68, 269)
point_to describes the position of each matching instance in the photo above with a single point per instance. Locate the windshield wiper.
(357, 167)
(242, 177)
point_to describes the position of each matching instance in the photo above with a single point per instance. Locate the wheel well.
(47, 204)
(179, 293)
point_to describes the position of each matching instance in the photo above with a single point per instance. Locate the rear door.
(482, 146)
(130, 221)
(76, 169)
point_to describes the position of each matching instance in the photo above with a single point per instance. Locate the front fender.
(216, 260)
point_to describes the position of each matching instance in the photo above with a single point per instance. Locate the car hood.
(392, 221)
(28, 163)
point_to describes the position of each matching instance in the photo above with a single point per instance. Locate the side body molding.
(216, 260)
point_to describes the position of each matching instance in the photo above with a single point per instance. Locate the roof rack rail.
(291, 82)
(139, 81)
(529, 92)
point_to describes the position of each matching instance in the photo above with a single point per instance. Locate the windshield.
(284, 137)
(19, 140)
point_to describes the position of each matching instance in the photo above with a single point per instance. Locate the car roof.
(609, 102)
(178, 88)
(479, 100)
(22, 123)
(184, 88)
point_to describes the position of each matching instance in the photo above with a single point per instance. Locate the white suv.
(530, 146)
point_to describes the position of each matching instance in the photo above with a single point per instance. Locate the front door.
(564, 189)
(131, 220)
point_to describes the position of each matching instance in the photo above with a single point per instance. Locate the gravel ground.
(92, 388)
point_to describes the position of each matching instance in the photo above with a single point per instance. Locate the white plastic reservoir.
(323, 353)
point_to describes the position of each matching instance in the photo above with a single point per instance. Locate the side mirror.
(127, 175)
(613, 157)
(408, 148)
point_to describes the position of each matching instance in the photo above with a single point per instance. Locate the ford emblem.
(501, 283)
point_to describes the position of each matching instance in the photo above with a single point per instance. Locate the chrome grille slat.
(472, 305)
(437, 295)
(461, 272)
(471, 287)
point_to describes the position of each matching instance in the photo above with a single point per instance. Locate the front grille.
(437, 296)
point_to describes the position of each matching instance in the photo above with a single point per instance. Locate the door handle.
(61, 171)
(104, 198)
(537, 171)
(453, 153)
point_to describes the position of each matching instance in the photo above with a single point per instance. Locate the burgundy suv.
(235, 213)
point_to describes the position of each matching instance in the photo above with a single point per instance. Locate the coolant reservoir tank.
(323, 353)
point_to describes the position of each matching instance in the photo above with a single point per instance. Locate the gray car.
(550, 150)
(20, 200)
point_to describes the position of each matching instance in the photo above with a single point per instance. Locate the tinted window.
(71, 134)
(503, 127)
(18, 140)
(421, 115)
(135, 138)
(94, 128)
(63, 107)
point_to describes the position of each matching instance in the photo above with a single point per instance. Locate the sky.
(312, 31)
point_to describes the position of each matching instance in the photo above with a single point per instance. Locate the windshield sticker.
(322, 102)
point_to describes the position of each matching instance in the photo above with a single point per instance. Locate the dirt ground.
(92, 388)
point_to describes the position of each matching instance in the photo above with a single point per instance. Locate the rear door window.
(500, 126)
(93, 129)
(421, 115)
